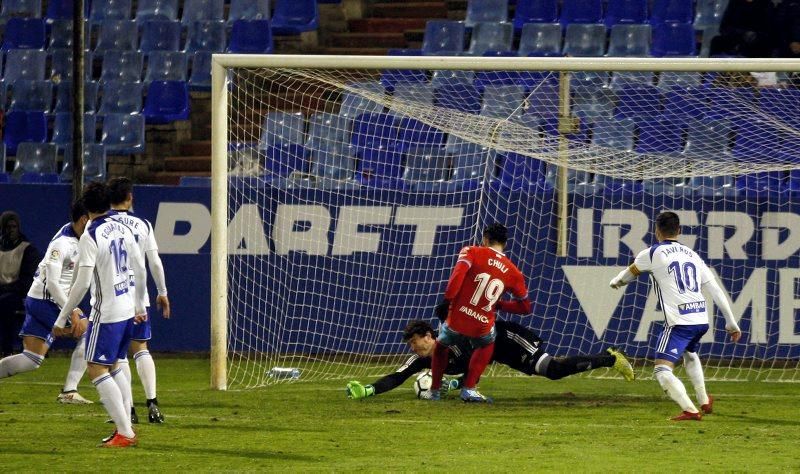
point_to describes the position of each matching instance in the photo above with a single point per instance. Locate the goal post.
(343, 187)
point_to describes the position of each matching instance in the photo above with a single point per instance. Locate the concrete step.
(385, 25)
(425, 10)
(368, 40)
(357, 51)
(188, 163)
(196, 148)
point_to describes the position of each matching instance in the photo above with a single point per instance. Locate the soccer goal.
(344, 187)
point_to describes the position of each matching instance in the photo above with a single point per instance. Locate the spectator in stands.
(18, 262)
(745, 30)
(787, 28)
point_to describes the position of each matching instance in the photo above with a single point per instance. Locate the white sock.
(674, 387)
(124, 385)
(111, 396)
(19, 363)
(694, 369)
(77, 366)
(126, 368)
(146, 369)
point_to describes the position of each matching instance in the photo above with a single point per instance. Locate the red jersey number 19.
(491, 288)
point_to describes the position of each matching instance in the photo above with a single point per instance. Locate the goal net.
(348, 186)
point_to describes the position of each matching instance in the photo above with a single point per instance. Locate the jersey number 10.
(492, 289)
(685, 276)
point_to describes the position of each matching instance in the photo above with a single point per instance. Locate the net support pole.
(219, 226)
(78, 37)
(565, 127)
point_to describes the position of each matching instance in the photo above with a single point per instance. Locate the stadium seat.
(638, 101)
(503, 102)
(94, 163)
(200, 77)
(166, 66)
(469, 164)
(497, 78)
(23, 126)
(62, 129)
(292, 17)
(669, 79)
(461, 97)
(20, 9)
(519, 170)
(629, 40)
(166, 102)
(540, 39)
(686, 102)
(24, 33)
(626, 12)
(375, 142)
(479, 11)
(160, 35)
(443, 37)
(782, 104)
(666, 186)
(207, 35)
(60, 35)
(31, 95)
(709, 13)
(25, 64)
(391, 77)
(581, 11)
(620, 79)
(585, 40)
(490, 37)
(660, 135)
(327, 130)
(35, 158)
(332, 164)
(550, 125)
(248, 10)
(62, 10)
(756, 138)
(251, 37)
(120, 98)
(123, 134)
(202, 10)
(591, 102)
(414, 133)
(283, 139)
(614, 134)
(756, 184)
(38, 178)
(102, 10)
(708, 139)
(731, 103)
(426, 167)
(156, 10)
(354, 104)
(672, 11)
(673, 39)
(543, 100)
(793, 184)
(613, 186)
(117, 35)
(442, 77)
(418, 93)
(61, 64)
(64, 96)
(535, 11)
(712, 186)
(125, 66)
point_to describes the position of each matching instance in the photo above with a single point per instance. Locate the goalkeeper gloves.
(441, 309)
(356, 391)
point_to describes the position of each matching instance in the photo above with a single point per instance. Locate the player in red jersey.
(481, 275)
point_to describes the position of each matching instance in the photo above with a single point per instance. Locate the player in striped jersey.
(679, 275)
(107, 251)
(46, 296)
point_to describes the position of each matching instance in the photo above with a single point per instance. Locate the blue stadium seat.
(731, 103)
(391, 78)
(578, 137)
(503, 102)
(469, 163)
(443, 77)
(712, 186)
(620, 79)
(756, 138)
(4, 178)
(166, 66)
(659, 135)
(24, 126)
(202, 10)
(61, 64)
(200, 77)
(208, 35)
(519, 170)
(673, 39)
(375, 142)
(166, 102)
(283, 139)
(62, 10)
(24, 33)
(120, 98)
(535, 11)
(443, 37)
(25, 64)
(669, 79)
(585, 40)
(332, 163)
(543, 100)
(591, 78)
(160, 35)
(708, 139)
(782, 104)
(419, 93)
(102, 10)
(251, 37)
(292, 17)
(414, 133)
(709, 13)
(426, 168)
(62, 129)
(486, 11)
(248, 10)
(793, 184)
(490, 37)
(64, 96)
(35, 158)
(326, 130)
(581, 11)
(20, 9)
(672, 11)
(591, 102)
(123, 66)
(354, 104)
(540, 39)
(614, 134)
(666, 186)
(462, 97)
(31, 95)
(60, 35)
(626, 12)
(94, 163)
(757, 184)
(123, 134)
(686, 102)
(613, 186)
(117, 35)
(156, 10)
(629, 40)
(38, 178)
(638, 101)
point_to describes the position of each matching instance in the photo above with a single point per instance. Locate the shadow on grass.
(233, 452)
(757, 420)
(571, 399)
(242, 425)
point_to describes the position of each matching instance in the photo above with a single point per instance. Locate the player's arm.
(140, 277)
(87, 254)
(52, 272)
(157, 270)
(642, 264)
(356, 390)
(721, 300)
(463, 265)
(521, 303)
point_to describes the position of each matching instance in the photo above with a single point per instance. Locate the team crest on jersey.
(55, 255)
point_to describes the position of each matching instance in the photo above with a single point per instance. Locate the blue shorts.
(141, 331)
(108, 342)
(448, 337)
(674, 340)
(40, 316)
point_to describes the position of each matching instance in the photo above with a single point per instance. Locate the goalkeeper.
(516, 346)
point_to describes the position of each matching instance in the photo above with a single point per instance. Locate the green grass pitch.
(578, 424)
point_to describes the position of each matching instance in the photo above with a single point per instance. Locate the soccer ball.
(423, 383)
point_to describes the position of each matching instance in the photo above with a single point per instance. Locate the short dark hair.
(668, 224)
(119, 189)
(496, 233)
(417, 328)
(78, 210)
(95, 197)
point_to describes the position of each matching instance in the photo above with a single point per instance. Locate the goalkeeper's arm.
(356, 390)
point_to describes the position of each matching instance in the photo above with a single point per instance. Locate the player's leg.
(671, 344)
(555, 368)
(123, 365)
(441, 353)
(480, 358)
(146, 369)
(77, 367)
(694, 369)
(36, 338)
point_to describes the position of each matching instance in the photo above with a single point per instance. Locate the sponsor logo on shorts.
(693, 307)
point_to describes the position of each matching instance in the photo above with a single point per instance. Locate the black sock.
(152, 401)
(564, 366)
